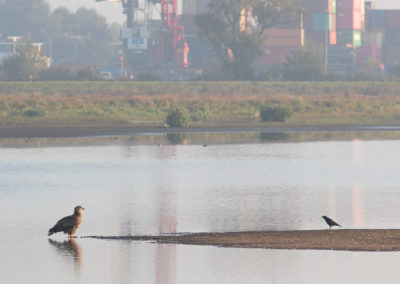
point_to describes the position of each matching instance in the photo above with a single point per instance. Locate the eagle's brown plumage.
(68, 224)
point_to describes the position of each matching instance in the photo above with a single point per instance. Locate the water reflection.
(177, 138)
(145, 189)
(200, 138)
(275, 136)
(358, 207)
(69, 250)
(166, 264)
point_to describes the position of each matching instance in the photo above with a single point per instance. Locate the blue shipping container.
(377, 19)
(393, 37)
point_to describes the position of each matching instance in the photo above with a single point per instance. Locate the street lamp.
(14, 39)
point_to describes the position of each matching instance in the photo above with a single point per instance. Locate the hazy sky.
(113, 11)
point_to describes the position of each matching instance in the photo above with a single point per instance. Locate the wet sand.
(118, 130)
(345, 240)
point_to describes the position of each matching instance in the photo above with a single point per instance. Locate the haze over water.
(132, 186)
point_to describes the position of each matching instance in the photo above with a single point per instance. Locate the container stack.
(320, 21)
(392, 38)
(383, 32)
(349, 22)
(279, 43)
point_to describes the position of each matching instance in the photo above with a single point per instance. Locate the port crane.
(145, 45)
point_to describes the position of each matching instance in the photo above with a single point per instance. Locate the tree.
(237, 44)
(76, 37)
(26, 64)
(370, 69)
(82, 37)
(304, 64)
(27, 18)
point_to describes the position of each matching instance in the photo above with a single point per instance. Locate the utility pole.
(326, 41)
(128, 9)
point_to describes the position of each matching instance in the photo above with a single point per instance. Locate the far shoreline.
(129, 130)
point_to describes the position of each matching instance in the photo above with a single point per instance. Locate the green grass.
(148, 103)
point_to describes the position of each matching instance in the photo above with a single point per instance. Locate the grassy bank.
(208, 103)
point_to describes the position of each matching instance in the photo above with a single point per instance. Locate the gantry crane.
(169, 49)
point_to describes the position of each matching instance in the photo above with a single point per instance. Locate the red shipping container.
(349, 20)
(364, 54)
(393, 19)
(349, 5)
(276, 55)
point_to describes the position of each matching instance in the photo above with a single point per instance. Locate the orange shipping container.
(332, 38)
(281, 37)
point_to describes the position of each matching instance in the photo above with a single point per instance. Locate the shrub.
(86, 74)
(57, 73)
(34, 112)
(177, 118)
(274, 113)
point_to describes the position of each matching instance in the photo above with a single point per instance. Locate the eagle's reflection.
(69, 249)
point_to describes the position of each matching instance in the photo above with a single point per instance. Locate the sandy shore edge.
(118, 130)
(345, 240)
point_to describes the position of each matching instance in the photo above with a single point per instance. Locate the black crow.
(330, 222)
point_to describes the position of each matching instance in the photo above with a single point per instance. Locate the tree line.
(80, 37)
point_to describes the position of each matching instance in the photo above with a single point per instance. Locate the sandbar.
(342, 239)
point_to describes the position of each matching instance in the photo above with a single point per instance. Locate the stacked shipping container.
(349, 19)
(385, 24)
(373, 37)
(279, 43)
(338, 23)
(392, 38)
(320, 21)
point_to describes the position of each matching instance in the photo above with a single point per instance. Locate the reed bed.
(148, 103)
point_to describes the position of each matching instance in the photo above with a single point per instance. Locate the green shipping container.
(320, 22)
(347, 38)
(332, 4)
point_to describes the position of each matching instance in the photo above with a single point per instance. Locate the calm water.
(173, 184)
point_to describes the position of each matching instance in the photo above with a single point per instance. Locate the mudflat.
(345, 240)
